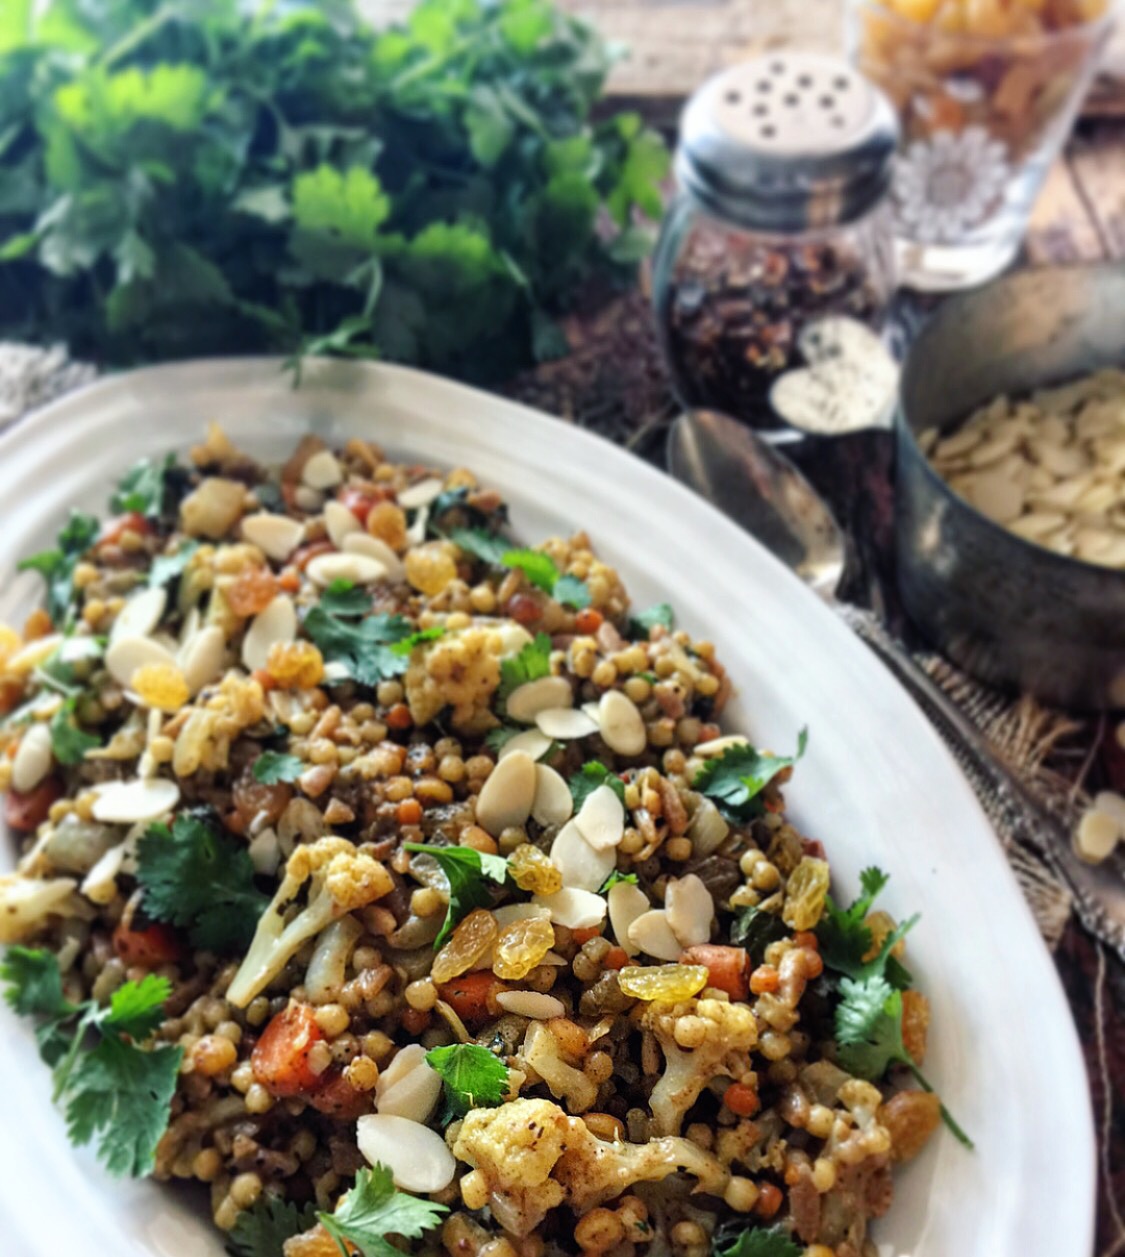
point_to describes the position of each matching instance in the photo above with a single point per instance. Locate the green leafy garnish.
(736, 778)
(532, 662)
(262, 1230)
(498, 738)
(69, 743)
(755, 930)
(572, 592)
(760, 1242)
(869, 1034)
(342, 598)
(345, 633)
(57, 566)
(142, 488)
(201, 880)
(589, 777)
(486, 546)
(272, 767)
(472, 1077)
(615, 879)
(112, 1091)
(374, 1210)
(170, 567)
(845, 938)
(540, 570)
(468, 872)
(643, 621)
(419, 638)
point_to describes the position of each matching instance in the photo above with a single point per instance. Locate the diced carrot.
(398, 717)
(415, 1020)
(615, 958)
(26, 810)
(585, 933)
(741, 1099)
(281, 1056)
(769, 1201)
(728, 968)
(765, 980)
(588, 621)
(150, 947)
(409, 812)
(114, 529)
(469, 995)
(337, 1098)
(289, 580)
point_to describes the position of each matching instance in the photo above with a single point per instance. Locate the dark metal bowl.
(1008, 611)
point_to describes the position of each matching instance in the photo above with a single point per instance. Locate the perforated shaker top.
(788, 142)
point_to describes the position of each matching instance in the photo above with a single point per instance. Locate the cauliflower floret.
(731, 1032)
(204, 740)
(212, 509)
(342, 879)
(541, 1052)
(27, 902)
(461, 671)
(530, 1156)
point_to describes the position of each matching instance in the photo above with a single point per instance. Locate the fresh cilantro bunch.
(112, 1090)
(57, 565)
(223, 176)
(468, 873)
(736, 778)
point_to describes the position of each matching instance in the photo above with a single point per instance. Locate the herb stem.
(947, 1117)
(137, 36)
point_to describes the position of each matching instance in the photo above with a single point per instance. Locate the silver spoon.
(755, 485)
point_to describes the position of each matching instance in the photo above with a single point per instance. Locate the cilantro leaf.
(572, 592)
(468, 872)
(142, 488)
(736, 778)
(498, 738)
(419, 638)
(200, 880)
(272, 767)
(532, 662)
(262, 1230)
(374, 1210)
(57, 566)
(615, 879)
(170, 567)
(486, 546)
(364, 648)
(136, 1008)
(755, 930)
(845, 938)
(473, 1078)
(33, 983)
(69, 743)
(342, 598)
(473, 518)
(539, 568)
(643, 621)
(760, 1242)
(589, 777)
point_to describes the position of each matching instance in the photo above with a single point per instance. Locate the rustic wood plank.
(1097, 157)
(1061, 228)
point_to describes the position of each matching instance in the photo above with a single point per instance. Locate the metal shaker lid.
(788, 142)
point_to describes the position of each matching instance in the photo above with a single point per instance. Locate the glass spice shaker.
(775, 265)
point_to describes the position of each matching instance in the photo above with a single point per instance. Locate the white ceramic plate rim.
(877, 786)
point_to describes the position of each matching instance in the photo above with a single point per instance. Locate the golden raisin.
(160, 685)
(471, 941)
(531, 870)
(805, 894)
(521, 946)
(910, 1117)
(10, 642)
(662, 982)
(252, 591)
(915, 1024)
(387, 521)
(295, 665)
(430, 567)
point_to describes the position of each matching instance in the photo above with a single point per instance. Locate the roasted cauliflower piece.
(27, 902)
(461, 671)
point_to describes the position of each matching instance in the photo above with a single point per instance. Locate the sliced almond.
(582, 867)
(322, 471)
(533, 1004)
(126, 655)
(190, 625)
(33, 758)
(307, 499)
(530, 742)
(545, 694)
(719, 746)
(416, 1156)
(405, 1059)
(651, 934)
(414, 1094)
(277, 536)
(508, 794)
(340, 523)
(601, 819)
(1097, 836)
(358, 569)
(565, 724)
(128, 802)
(277, 623)
(998, 497)
(553, 803)
(420, 494)
(626, 903)
(689, 908)
(201, 657)
(573, 908)
(372, 548)
(622, 726)
(140, 615)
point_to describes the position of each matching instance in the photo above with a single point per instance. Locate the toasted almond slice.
(622, 726)
(1037, 525)
(140, 615)
(322, 471)
(420, 494)
(126, 655)
(689, 908)
(363, 543)
(531, 741)
(533, 1004)
(340, 523)
(582, 867)
(277, 623)
(576, 909)
(626, 903)
(547, 693)
(190, 626)
(1097, 836)
(201, 657)
(553, 803)
(508, 794)
(998, 497)
(565, 724)
(405, 1060)
(358, 569)
(960, 442)
(1061, 461)
(417, 1156)
(277, 536)
(414, 1094)
(33, 758)
(29, 657)
(601, 820)
(652, 934)
(127, 802)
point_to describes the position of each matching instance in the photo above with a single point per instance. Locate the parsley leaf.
(643, 621)
(170, 567)
(364, 648)
(69, 743)
(33, 983)
(736, 778)
(262, 1230)
(486, 546)
(272, 767)
(532, 662)
(615, 879)
(498, 738)
(589, 777)
(755, 929)
(845, 938)
(472, 1076)
(57, 566)
(467, 871)
(200, 880)
(374, 1210)
(142, 488)
(760, 1242)
(540, 570)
